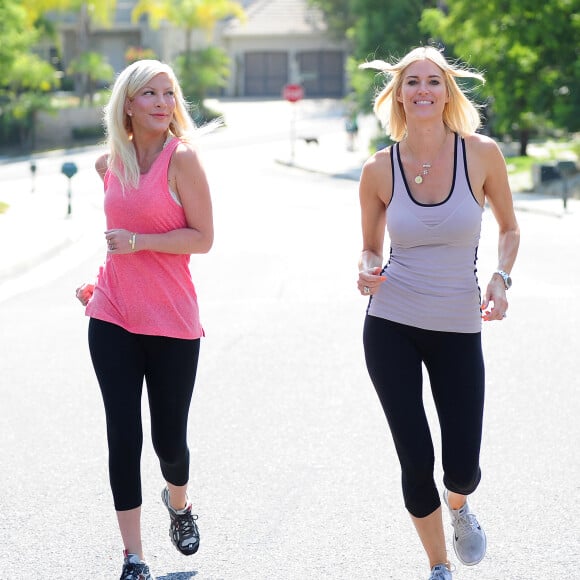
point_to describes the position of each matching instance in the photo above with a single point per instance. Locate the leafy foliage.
(376, 30)
(188, 14)
(100, 11)
(26, 81)
(16, 35)
(135, 53)
(95, 68)
(200, 72)
(529, 51)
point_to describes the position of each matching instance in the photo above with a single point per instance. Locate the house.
(282, 41)
(114, 41)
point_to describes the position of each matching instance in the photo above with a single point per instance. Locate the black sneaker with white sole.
(183, 530)
(135, 569)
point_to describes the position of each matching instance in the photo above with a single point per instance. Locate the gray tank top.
(432, 268)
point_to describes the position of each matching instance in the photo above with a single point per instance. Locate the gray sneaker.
(183, 530)
(469, 539)
(440, 572)
(135, 569)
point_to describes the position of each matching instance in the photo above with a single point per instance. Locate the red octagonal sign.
(293, 93)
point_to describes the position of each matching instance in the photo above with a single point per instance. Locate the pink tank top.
(146, 292)
(432, 268)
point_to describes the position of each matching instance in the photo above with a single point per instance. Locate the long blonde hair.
(122, 159)
(460, 113)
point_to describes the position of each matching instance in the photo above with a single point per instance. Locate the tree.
(28, 92)
(200, 70)
(188, 15)
(89, 13)
(26, 80)
(375, 29)
(17, 36)
(135, 53)
(529, 52)
(95, 68)
(339, 16)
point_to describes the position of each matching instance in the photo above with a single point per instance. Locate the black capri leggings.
(121, 361)
(454, 361)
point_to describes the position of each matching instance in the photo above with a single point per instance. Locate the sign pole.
(292, 132)
(293, 93)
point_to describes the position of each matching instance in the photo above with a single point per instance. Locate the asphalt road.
(293, 472)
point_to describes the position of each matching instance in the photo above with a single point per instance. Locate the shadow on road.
(178, 576)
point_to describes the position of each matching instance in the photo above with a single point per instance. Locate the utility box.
(542, 173)
(567, 168)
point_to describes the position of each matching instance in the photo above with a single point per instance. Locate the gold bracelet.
(132, 241)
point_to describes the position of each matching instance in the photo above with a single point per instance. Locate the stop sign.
(293, 92)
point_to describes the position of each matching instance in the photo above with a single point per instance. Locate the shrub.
(91, 132)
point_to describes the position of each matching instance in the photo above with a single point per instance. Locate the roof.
(277, 17)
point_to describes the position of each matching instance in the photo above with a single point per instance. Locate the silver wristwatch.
(506, 278)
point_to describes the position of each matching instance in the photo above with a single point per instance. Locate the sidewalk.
(35, 228)
(332, 158)
(38, 236)
(32, 230)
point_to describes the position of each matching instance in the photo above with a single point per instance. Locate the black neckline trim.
(407, 188)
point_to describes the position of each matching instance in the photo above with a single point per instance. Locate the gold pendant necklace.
(424, 171)
(420, 177)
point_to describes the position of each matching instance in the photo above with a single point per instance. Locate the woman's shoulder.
(185, 150)
(481, 143)
(376, 177)
(483, 148)
(485, 160)
(102, 164)
(185, 160)
(378, 162)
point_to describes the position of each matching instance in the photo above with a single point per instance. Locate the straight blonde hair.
(122, 160)
(460, 113)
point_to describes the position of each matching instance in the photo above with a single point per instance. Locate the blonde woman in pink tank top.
(144, 320)
(425, 305)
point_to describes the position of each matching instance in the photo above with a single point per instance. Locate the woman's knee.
(419, 490)
(463, 482)
(421, 496)
(175, 465)
(172, 454)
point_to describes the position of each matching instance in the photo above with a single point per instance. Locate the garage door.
(265, 74)
(322, 72)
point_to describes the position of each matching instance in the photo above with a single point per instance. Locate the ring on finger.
(366, 290)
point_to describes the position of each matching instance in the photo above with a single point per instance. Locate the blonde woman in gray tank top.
(425, 304)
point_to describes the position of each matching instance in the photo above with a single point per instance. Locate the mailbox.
(69, 168)
(567, 168)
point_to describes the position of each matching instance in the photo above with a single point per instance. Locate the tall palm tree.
(203, 69)
(95, 68)
(188, 15)
(92, 11)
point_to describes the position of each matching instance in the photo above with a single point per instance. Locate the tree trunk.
(83, 47)
(524, 141)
